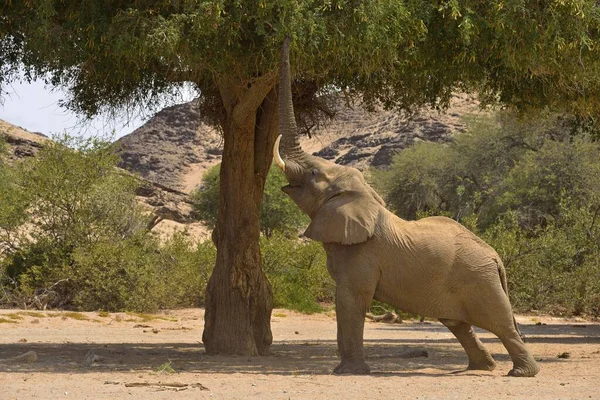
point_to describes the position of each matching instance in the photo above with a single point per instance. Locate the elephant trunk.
(288, 142)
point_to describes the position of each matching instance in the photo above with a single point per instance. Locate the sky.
(35, 107)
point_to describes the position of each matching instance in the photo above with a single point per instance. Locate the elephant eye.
(314, 172)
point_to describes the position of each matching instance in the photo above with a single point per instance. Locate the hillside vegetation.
(73, 236)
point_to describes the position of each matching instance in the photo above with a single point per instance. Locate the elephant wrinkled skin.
(433, 267)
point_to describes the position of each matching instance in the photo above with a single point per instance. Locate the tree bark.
(238, 295)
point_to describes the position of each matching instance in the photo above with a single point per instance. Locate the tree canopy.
(123, 53)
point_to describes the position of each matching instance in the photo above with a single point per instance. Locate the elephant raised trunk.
(287, 152)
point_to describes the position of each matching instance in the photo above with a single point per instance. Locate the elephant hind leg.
(523, 362)
(479, 357)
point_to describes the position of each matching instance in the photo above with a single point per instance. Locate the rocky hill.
(172, 150)
(171, 147)
(171, 208)
(21, 143)
(175, 147)
(370, 139)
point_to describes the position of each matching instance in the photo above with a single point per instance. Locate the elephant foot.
(481, 367)
(352, 367)
(524, 370)
(487, 364)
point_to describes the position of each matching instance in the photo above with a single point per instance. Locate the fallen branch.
(175, 385)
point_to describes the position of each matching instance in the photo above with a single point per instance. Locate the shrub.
(298, 273)
(74, 237)
(499, 164)
(554, 268)
(70, 197)
(140, 274)
(188, 267)
(535, 185)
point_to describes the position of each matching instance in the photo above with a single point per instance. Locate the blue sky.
(35, 108)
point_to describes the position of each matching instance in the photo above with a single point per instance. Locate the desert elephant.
(433, 267)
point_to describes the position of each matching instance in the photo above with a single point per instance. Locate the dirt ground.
(127, 356)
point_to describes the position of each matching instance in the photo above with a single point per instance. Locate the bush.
(13, 205)
(73, 236)
(278, 212)
(140, 274)
(535, 185)
(188, 267)
(298, 273)
(554, 268)
(68, 198)
(461, 178)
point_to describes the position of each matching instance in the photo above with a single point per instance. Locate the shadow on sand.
(445, 356)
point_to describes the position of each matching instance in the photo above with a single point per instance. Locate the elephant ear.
(348, 218)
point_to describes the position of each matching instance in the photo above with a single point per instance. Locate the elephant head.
(343, 208)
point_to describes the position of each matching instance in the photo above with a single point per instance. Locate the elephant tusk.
(276, 156)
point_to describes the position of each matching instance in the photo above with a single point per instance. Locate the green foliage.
(188, 269)
(298, 273)
(72, 236)
(555, 268)
(499, 164)
(205, 200)
(404, 53)
(536, 184)
(532, 189)
(278, 212)
(140, 274)
(69, 197)
(12, 204)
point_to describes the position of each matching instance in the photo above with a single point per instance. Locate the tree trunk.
(238, 295)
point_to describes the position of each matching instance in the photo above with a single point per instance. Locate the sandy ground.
(161, 357)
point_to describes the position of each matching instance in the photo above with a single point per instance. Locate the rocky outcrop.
(171, 146)
(175, 147)
(20, 142)
(364, 140)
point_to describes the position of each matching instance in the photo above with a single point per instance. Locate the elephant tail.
(503, 281)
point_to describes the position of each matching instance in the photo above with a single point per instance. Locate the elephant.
(433, 267)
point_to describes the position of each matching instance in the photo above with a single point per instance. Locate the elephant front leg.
(351, 307)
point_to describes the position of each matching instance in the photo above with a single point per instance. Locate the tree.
(126, 53)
